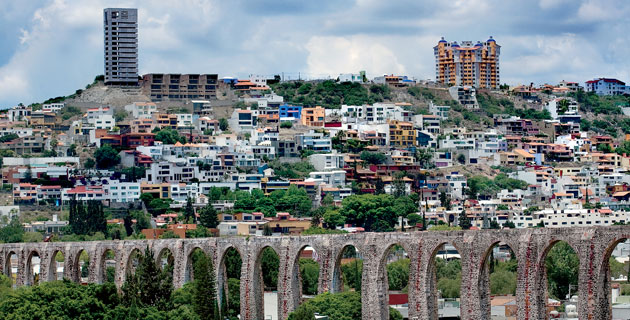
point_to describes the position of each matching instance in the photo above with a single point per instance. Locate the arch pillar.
(288, 291)
(588, 280)
(20, 276)
(328, 256)
(44, 264)
(251, 290)
(373, 298)
(469, 291)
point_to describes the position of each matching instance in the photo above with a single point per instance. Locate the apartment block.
(313, 117)
(120, 26)
(166, 87)
(467, 64)
(401, 133)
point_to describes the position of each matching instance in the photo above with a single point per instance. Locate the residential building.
(607, 87)
(401, 134)
(53, 107)
(439, 111)
(323, 162)
(290, 112)
(313, 117)
(141, 110)
(465, 95)
(468, 64)
(166, 87)
(353, 77)
(315, 141)
(331, 178)
(121, 46)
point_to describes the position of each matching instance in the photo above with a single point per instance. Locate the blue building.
(287, 111)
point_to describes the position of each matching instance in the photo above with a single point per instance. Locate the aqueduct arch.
(593, 246)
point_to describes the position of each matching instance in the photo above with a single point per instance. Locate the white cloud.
(334, 55)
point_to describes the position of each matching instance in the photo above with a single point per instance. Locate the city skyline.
(52, 48)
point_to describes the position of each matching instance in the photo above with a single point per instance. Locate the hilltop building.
(120, 26)
(467, 64)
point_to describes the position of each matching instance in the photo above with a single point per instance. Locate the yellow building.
(401, 133)
(467, 64)
(158, 190)
(313, 117)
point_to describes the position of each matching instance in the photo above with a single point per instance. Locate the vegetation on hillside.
(330, 94)
(591, 102)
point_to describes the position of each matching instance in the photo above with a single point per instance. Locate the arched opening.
(11, 267)
(614, 276)
(497, 281)
(165, 259)
(229, 283)
(108, 267)
(444, 285)
(189, 276)
(348, 270)
(266, 282)
(56, 267)
(306, 267)
(82, 267)
(393, 280)
(33, 269)
(558, 281)
(135, 257)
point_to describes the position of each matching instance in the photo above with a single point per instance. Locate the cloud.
(334, 55)
(53, 47)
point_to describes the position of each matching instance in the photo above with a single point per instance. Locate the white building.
(118, 191)
(607, 87)
(141, 110)
(184, 120)
(557, 107)
(53, 107)
(324, 162)
(331, 178)
(352, 77)
(100, 118)
(439, 111)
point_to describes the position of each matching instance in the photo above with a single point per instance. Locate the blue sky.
(53, 47)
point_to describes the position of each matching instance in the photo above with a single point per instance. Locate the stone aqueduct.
(593, 246)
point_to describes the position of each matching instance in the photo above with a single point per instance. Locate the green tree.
(189, 211)
(338, 306)
(562, 265)
(106, 157)
(464, 221)
(204, 297)
(270, 264)
(13, 232)
(169, 136)
(223, 124)
(208, 216)
(333, 219)
(150, 285)
(373, 157)
(398, 274)
(309, 272)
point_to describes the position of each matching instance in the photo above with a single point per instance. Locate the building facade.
(467, 64)
(166, 87)
(120, 26)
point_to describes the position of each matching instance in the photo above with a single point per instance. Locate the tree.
(106, 157)
(223, 124)
(562, 265)
(204, 298)
(399, 185)
(150, 285)
(208, 216)
(338, 306)
(13, 232)
(169, 136)
(270, 263)
(398, 274)
(373, 157)
(309, 272)
(189, 211)
(463, 221)
(89, 163)
(286, 125)
(333, 219)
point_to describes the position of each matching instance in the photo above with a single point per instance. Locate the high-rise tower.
(120, 26)
(467, 64)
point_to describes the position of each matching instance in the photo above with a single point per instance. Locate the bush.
(286, 125)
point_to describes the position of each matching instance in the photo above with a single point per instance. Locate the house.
(290, 112)
(313, 117)
(607, 87)
(330, 161)
(401, 134)
(141, 110)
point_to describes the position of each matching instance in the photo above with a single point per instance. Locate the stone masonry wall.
(593, 246)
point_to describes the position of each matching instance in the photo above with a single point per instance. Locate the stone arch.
(133, 260)
(484, 278)
(296, 274)
(337, 276)
(542, 293)
(383, 278)
(106, 255)
(8, 268)
(603, 296)
(188, 272)
(222, 276)
(78, 265)
(165, 257)
(29, 278)
(52, 265)
(431, 278)
(258, 282)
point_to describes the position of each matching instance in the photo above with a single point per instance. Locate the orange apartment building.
(467, 64)
(313, 117)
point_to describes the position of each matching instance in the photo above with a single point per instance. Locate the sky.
(50, 48)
